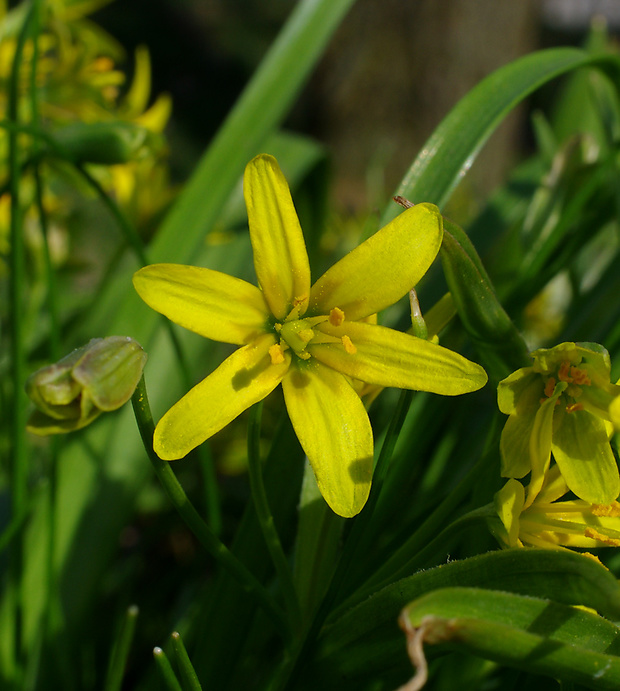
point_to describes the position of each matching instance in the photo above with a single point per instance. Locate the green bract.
(561, 406)
(312, 338)
(98, 377)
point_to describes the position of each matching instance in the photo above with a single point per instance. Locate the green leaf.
(353, 633)
(452, 148)
(532, 634)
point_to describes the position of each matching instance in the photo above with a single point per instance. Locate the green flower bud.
(98, 377)
(106, 143)
(487, 323)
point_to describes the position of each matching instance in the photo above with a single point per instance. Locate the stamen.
(348, 345)
(297, 302)
(563, 372)
(607, 510)
(277, 327)
(276, 353)
(336, 316)
(595, 535)
(574, 407)
(549, 387)
(580, 376)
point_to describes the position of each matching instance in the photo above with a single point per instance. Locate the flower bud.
(105, 143)
(98, 377)
(487, 323)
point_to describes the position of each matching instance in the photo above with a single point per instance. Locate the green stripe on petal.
(210, 303)
(540, 443)
(334, 431)
(391, 358)
(582, 451)
(280, 256)
(244, 378)
(381, 270)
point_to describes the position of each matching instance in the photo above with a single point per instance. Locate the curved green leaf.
(529, 633)
(452, 148)
(562, 576)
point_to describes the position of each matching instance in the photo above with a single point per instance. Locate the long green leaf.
(452, 148)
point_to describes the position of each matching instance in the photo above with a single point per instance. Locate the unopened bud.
(98, 377)
(487, 323)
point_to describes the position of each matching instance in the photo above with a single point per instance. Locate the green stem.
(120, 650)
(166, 672)
(294, 665)
(361, 534)
(184, 664)
(188, 513)
(19, 468)
(409, 552)
(133, 239)
(265, 519)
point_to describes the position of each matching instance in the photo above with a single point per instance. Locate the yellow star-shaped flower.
(310, 338)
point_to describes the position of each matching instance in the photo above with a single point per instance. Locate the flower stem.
(294, 665)
(133, 239)
(188, 513)
(265, 519)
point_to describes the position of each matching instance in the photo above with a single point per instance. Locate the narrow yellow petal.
(391, 358)
(280, 256)
(381, 270)
(210, 303)
(243, 379)
(334, 431)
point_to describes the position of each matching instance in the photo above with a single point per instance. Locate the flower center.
(575, 378)
(297, 334)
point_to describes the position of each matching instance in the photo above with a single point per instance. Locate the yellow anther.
(336, 316)
(276, 353)
(580, 376)
(348, 345)
(608, 510)
(595, 535)
(563, 372)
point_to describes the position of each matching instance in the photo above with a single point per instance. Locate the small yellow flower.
(562, 405)
(311, 338)
(547, 522)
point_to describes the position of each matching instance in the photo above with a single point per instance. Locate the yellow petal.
(280, 256)
(392, 358)
(540, 443)
(334, 431)
(581, 449)
(509, 504)
(385, 267)
(243, 379)
(210, 303)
